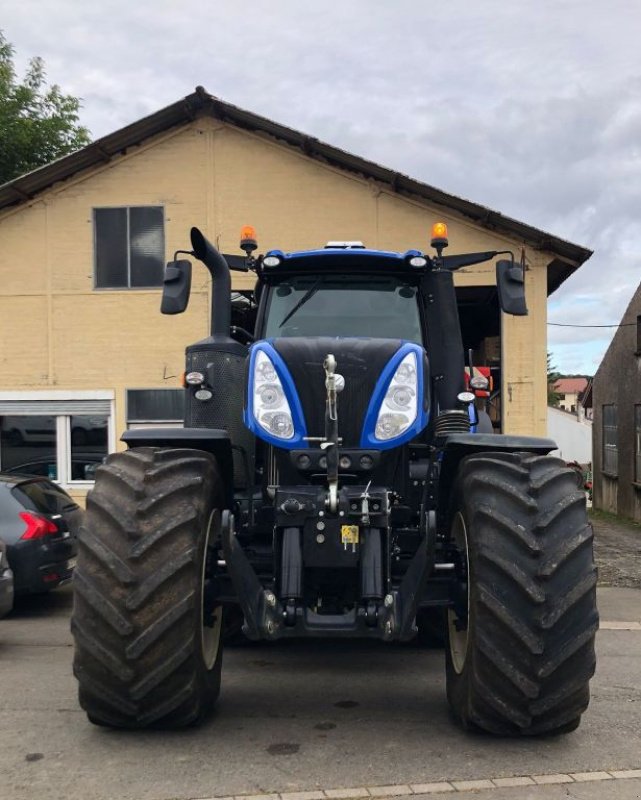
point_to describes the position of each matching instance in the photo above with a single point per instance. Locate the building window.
(637, 444)
(129, 247)
(610, 455)
(155, 408)
(62, 440)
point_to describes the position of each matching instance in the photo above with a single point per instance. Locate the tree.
(553, 376)
(37, 123)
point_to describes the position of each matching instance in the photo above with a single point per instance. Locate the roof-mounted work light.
(273, 258)
(415, 259)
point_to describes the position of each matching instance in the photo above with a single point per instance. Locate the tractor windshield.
(335, 305)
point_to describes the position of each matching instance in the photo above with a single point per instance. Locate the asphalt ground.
(310, 716)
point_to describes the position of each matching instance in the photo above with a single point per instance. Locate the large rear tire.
(520, 650)
(148, 648)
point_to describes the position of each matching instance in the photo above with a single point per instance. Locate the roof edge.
(200, 102)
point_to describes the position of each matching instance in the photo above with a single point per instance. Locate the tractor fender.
(212, 440)
(459, 445)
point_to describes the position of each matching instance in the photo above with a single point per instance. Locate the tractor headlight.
(400, 398)
(271, 395)
(278, 423)
(397, 411)
(273, 410)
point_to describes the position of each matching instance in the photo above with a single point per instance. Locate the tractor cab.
(338, 376)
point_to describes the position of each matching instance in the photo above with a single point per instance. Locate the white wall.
(574, 438)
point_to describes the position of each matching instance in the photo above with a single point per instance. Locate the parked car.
(39, 523)
(83, 467)
(38, 429)
(6, 582)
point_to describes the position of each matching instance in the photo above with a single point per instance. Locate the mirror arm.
(453, 263)
(506, 253)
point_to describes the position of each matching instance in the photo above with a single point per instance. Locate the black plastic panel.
(359, 361)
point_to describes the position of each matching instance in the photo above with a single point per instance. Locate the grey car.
(39, 523)
(6, 582)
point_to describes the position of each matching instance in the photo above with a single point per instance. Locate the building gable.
(563, 260)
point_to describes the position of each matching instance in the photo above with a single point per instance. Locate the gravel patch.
(617, 550)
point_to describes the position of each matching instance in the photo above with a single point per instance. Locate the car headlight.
(273, 410)
(397, 409)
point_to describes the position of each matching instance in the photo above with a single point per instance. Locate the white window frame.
(610, 449)
(63, 426)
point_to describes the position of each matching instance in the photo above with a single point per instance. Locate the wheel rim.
(210, 634)
(457, 626)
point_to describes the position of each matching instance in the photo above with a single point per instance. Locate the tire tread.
(533, 596)
(136, 617)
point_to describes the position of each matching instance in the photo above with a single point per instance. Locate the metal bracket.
(365, 498)
(261, 609)
(399, 612)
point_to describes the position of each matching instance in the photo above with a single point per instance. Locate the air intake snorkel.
(205, 251)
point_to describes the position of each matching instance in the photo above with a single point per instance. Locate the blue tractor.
(334, 478)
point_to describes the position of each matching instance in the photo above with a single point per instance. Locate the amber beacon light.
(439, 235)
(248, 241)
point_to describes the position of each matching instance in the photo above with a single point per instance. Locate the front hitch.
(334, 383)
(312, 538)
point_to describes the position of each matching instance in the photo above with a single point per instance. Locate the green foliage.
(37, 123)
(553, 376)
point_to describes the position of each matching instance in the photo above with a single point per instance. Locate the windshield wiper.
(307, 296)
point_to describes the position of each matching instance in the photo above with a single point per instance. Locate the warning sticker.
(349, 534)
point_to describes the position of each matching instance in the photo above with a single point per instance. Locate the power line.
(567, 325)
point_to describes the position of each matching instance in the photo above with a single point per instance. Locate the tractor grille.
(359, 361)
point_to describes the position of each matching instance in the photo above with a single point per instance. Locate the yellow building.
(85, 352)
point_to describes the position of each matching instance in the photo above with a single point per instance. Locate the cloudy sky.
(532, 108)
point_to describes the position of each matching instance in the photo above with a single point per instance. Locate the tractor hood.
(369, 367)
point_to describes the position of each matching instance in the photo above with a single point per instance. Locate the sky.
(532, 108)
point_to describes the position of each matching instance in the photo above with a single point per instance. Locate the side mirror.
(176, 287)
(511, 287)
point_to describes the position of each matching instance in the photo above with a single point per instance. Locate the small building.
(616, 402)
(85, 351)
(570, 391)
(585, 401)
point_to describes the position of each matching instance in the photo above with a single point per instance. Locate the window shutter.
(54, 407)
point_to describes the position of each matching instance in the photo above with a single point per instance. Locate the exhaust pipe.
(205, 251)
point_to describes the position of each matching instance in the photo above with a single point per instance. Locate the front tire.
(520, 650)
(148, 649)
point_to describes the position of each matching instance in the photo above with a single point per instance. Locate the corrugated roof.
(568, 256)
